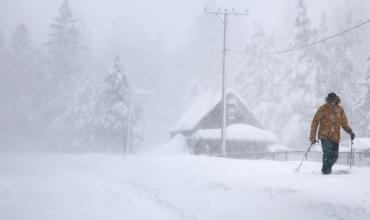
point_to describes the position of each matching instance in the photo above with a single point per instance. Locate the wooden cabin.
(201, 126)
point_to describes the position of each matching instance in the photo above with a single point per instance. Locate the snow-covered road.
(59, 186)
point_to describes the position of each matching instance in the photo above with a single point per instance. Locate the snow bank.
(238, 132)
(95, 187)
(177, 145)
(361, 144)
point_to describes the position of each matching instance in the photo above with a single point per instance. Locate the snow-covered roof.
(200, 107)
(238, 132)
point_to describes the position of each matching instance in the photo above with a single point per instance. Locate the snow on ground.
(53, 186)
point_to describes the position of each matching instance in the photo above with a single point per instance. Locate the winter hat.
(332, 98)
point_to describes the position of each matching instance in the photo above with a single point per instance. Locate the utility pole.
(131, 107)
(128, 137)
(223, 16)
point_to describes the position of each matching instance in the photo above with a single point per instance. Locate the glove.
(352, 135)
(313, 141)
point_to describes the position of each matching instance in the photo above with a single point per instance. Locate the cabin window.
(232, 108)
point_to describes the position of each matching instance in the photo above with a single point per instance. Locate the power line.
(360, 84)
(296, 84)
(304, 46)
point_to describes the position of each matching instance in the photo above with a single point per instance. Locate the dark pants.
(330, 155)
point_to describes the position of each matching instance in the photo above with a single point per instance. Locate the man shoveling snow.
(330, 117)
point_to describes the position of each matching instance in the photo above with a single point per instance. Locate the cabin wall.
(213, 147)
(214, 119)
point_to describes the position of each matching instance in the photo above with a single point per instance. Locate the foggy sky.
(167, 20)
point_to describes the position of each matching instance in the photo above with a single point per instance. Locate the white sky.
(170, 19)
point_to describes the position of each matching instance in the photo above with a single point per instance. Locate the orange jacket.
(329, 118)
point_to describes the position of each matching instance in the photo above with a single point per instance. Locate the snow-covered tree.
(65, 73)
(203, 52)
(65, 48)
(343, 65)
(301, 74)
(114, 108)
(262, 83)
(21, 75)
(20, 41)
(259, 73)
(302, 26)
(1, 41)
(20, 58)
(344, 69)
(5, 93)
(83, 113)
(2, 55)
(363, 113)
(320, 69)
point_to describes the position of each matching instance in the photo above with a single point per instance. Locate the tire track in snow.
(152, 195)
(146, 194)
(342, 212)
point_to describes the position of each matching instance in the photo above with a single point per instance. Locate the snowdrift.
(95, 187)
(176, 146)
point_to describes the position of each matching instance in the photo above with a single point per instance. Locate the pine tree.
(5, 93)
(343, 66)
(366, 105)
(262, 83)
(84, 115)
(363, 113)
(2, 61)
(302, 60)
(64, 76)
(113, 110)
(1, 43)
(22, 78)
(301, 73)
(344, 69)
(321, 58)
(259, 72)
(302, 25)
(203, 52)
(65, 47)
(20, 41)
(22, 56)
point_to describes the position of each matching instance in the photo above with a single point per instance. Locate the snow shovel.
(305, 155)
